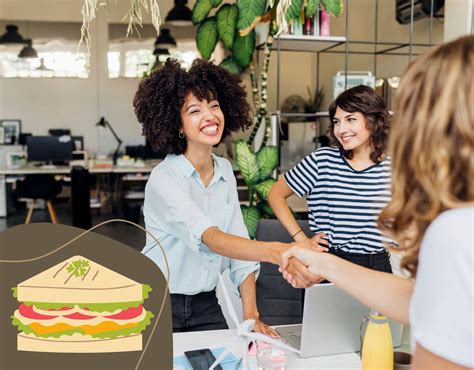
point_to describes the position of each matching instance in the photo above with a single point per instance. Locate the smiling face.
(202, 122)
(350, 129)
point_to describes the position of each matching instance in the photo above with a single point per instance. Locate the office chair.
(277, 301)
(40, 187)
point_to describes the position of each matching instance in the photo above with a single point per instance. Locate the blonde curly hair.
(431, 144)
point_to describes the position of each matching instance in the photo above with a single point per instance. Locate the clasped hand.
(298, 260)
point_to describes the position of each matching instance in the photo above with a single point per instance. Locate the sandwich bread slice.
(79, 306)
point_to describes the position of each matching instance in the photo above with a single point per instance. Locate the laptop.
(331, 323)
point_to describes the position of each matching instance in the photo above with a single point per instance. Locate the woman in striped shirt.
(347, 185)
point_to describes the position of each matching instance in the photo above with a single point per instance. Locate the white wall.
(68, 102)
(78, 104)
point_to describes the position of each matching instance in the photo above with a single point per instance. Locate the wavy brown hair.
(432, 144)
(365, 100)
(160, 97)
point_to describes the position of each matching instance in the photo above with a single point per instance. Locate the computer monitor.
(54, 149)
(59, 131)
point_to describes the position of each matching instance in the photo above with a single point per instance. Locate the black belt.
(371, 258)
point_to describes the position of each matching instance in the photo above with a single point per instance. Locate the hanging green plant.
(311, 7)
(249, 10)
(333, 7)
(226, 22)
(200, 10)
(206, 37)
(294, 11)
(231, 65)
(243, 49)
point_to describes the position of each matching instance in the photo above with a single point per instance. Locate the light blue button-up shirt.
(178, 209)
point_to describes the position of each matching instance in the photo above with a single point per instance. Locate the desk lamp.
(104, 123)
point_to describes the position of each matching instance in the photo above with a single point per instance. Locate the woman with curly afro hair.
(191, 202)
(346, 185)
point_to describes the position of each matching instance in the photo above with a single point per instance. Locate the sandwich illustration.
(79, 306)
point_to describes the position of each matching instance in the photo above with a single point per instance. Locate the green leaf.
(200, 10)
(247, 162)
(311, 7)
(78, 268)
(206, 37)
(264, 188)
(333, 7)
(265, 209)
(243, 49)
(251, 216)
(231, 65)
(216, 3)
(294, 11)
(248, 11)
(267, 160)
(226, 22)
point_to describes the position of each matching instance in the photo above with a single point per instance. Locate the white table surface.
(221, 338)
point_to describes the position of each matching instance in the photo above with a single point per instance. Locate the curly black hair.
(160, 98)
(365, 100)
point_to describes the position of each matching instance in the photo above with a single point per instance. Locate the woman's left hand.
(261, 327)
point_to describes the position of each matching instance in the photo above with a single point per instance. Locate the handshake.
(302, 263)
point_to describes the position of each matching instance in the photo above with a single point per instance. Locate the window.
(55, 59)
(134, 58)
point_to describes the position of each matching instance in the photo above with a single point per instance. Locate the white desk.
(221, 338)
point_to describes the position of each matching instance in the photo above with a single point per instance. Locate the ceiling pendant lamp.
(165, 40)
(28, 51)
(179, 15)
(11, 36)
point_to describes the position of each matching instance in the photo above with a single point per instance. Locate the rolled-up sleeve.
(178, 214)
(239, 270)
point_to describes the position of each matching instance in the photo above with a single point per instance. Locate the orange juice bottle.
(377, 347)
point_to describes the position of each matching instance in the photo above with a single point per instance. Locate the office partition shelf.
(306, 43)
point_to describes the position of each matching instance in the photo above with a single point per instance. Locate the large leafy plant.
(257, 170)
(234, 24)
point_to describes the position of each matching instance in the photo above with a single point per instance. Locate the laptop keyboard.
(295, 338)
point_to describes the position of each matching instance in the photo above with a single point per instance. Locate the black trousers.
(197, 312)
(377, 261)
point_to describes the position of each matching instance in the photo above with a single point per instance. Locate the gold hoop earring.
(181, 135)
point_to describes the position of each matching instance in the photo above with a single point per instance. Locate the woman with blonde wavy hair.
(431, 213)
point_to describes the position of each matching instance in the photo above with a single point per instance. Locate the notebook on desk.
(331, 323)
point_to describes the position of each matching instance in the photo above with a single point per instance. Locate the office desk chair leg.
(52, 213)
(30, 213)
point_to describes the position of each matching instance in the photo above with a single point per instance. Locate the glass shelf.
(306, 43)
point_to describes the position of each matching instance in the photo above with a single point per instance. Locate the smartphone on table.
(201, 359)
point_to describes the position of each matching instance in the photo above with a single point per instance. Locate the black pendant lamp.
(164, 40)
(11, 36)
(28, 51)
(160, 51)
(180, 14)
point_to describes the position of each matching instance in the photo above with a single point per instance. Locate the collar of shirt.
(188, 170)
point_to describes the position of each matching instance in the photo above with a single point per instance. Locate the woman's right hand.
(299, 266)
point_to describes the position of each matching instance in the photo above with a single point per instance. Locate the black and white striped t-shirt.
(342, 202)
